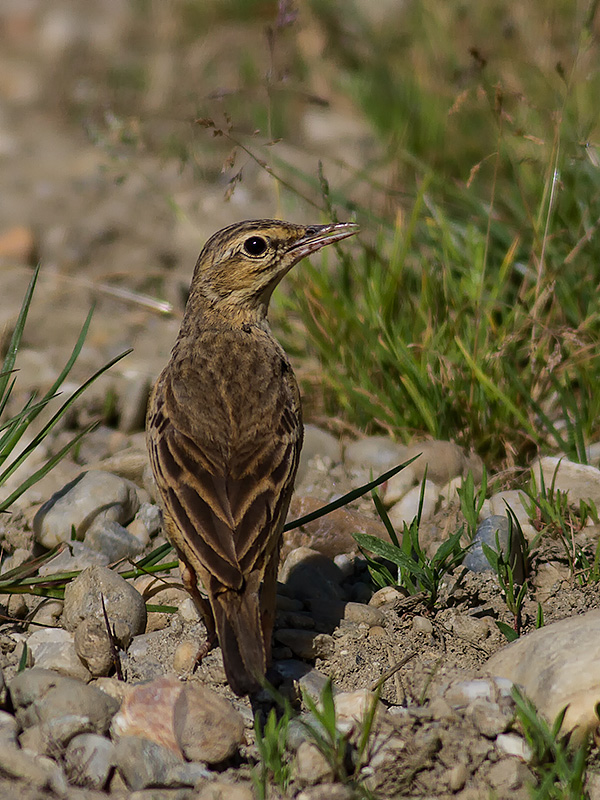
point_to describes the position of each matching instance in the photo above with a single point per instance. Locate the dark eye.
(255, 246)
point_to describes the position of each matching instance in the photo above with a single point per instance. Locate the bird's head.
(240, 266)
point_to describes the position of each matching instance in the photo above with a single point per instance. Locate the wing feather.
(227, 486)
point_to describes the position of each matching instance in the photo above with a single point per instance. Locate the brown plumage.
(225, 432)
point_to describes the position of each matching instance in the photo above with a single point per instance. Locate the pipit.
(225, 431)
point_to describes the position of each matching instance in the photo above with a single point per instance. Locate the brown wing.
(224, 440)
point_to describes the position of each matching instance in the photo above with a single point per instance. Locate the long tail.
(238, 622)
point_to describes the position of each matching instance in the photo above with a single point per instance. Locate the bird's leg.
(268, 602)
(190, 581)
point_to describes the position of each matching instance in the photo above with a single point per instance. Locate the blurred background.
(462, 136)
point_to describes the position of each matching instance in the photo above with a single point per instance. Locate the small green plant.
(513, 593)
(416, 571)
(551, 513)
(13, 429)
(560, 768)
(472, 500)
(325, 734)
(271, 743)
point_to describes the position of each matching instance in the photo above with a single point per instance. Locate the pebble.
(113, 540)
(184, 658)
(581, 481)
(443, 460)
(144, 763)
(207, 726)
(151, 518)
(475, 559)
(160, 591)
(408, 508)
(89, 759)
(398, 485)
(358, 612)
(489, 719)
(313, 683)
(8, 729)
(317, 444)
(311, 765)
(54, 648)
(48, 612)
(121, 600)
(557, 666)
(514, 499)
(462, 693)
(422, 625)
(39, 771)
(306, 644)
(331, 791)
(386, 596)
(351, 709)
(91, 495)
(457, 777)
(186, 719)
(93, 644)
(132, 402)
(510, 774)
(220, 790)
(511, 744)
(75, 557)
(42, 696)
(378, 453)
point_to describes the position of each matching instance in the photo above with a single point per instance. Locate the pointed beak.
(317, 236)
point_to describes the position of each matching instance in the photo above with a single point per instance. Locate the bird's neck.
(202, 314)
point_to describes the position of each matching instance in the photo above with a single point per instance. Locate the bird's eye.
(255, 246)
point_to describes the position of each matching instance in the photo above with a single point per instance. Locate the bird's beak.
(317, 236)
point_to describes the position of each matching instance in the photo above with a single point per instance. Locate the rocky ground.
(85, 713)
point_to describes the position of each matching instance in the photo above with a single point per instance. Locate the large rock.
(580, 481)
(557, 666)
(92, 495)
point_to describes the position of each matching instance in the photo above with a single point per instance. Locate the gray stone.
(143, 763)
(313, 683)
(407, 509)
(41, 695)
(475, 559)
(89, 759)
(75, 556)
(317, 444)
(121, 600)
(91, 495)
(375, 452)
(113, 540)
(53, 648)
(510, 774)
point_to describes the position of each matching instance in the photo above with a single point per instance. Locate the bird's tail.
(238, 622)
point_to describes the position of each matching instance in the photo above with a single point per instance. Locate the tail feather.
(238, 621)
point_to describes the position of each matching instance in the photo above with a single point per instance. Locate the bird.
(224, 434)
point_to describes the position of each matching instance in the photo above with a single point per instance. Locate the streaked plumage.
(225, 432)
